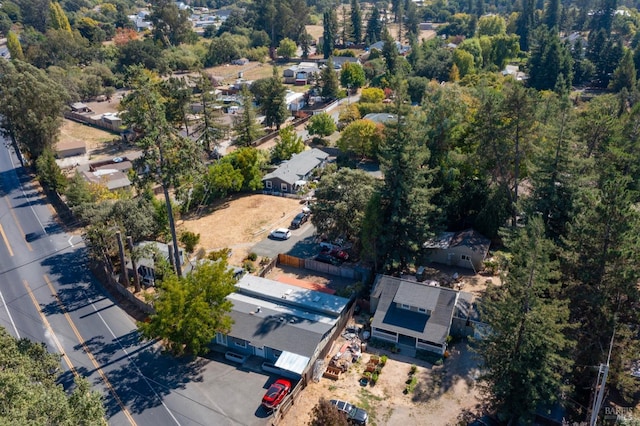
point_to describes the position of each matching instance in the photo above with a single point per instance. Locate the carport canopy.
(292, 362)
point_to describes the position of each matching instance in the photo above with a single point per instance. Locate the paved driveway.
(301, 244)
(233, 393)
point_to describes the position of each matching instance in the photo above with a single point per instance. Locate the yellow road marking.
(90, 355)
(53, 335)
(15, 218)
(6, 241)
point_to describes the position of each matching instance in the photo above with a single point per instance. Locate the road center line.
(15, 219)
(54, 338)
(6, 241)
(131, 361)
(93, 360)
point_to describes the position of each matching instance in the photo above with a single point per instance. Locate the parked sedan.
(299, 220)
(354, 414)
(281, 234)
(276, 393)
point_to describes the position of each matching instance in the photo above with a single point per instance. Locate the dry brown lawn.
(93, 137)
(250, 71)
(240, 222)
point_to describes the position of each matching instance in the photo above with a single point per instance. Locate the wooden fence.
(285, 259)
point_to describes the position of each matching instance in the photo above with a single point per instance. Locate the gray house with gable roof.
(291, 175)
(413, 315)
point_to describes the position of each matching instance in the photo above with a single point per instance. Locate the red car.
(276, 393)
(336, 252)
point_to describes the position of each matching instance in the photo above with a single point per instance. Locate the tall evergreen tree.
(57, 18)
(329, 81)
(602, 276)
(356, 22)
(549, 59)
(525, 350)
(170, 158)
(330, 25)
(552, 15)
(554, 171)
(209, 129)
(412, 22)
(407, 215)
(374, 27)
(245, 124)
(272, 101)
(624, 76)
(525, 24)
(390, 53)
(14, 46)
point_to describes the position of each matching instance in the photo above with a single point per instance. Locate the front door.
(259, 351)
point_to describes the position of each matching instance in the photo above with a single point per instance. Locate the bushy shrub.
(252, 257)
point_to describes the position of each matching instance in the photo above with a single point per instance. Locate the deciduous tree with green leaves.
(191, 310)
(287, 144)
(31, 107)
(362, 138)
(321, 124)
(341, 201)
(352, 76)
(31, 393)
(287, 48)
(326, 414)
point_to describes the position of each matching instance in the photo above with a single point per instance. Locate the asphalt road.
(47, 294)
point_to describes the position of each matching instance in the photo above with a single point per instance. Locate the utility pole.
(603, 372)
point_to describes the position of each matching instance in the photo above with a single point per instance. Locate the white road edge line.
(132, 362)
(25, 194)
(6, 308)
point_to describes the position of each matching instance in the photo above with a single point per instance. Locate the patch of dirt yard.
(442, 393)
(239, 222)
(94, 138)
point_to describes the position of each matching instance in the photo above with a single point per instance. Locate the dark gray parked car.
(299, 220)
(355, 415)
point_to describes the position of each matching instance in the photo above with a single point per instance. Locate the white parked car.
(281, 234)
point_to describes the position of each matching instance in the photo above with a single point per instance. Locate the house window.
(283, 187)
(240, 343)
(403, 306)
(423, 310)
(268, 184)
(465, 257)
(277, 353)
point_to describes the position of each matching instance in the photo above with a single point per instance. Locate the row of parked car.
(299, 220)
(281, 388)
